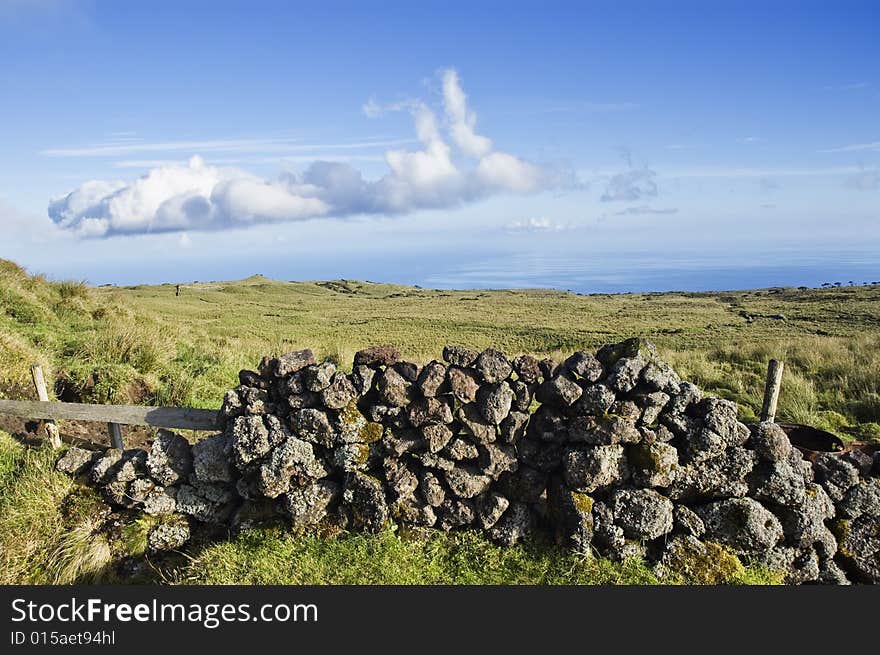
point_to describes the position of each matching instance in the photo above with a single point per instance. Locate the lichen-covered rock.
(437, 436)
(803, 523)
(741, 523)
(459, 355)
(698, 562)
(659, 376)
(293, 461)
(211, 461)
(317, 377)
(168, 536)
(362, 378)
(232, 405)
(376, 356)
(494, 401)
(455, 513)
(526, 484)
(105, 466)
(650, 404)
(559, 391)
(76, 460)
(861, 499)
(513, 526)
(584, 366)
(685, 521)
(170, 458)
(596, 399)
(496, 459)
(308, 506)
(624, 374)
(351, 457)
(460, 449)
(718, 478)
(528, 369)
(589, 469)
(573, 512)
(464, 383)
(431, 488)
(600, 431)
(770, 442)
(400, 476)
(161, 501)
(432, 380)
(653, 464)
(797, 566)
(478, 427)
(687, 394)
(643, 514)
(209, 503)
(364, 498)
(314, 426)
(493, 365)
(293, 362)
(249, 440)
(776, 482)
(398, 441)
(513, 428)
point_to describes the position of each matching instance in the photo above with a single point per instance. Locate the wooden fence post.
(771, 391)
(43, 395)
(115, 431)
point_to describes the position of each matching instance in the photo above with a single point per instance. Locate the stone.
(797, 566)
(210, 460)
(308, 506)
(493, 365)
(362, 378)
(513, 428)
(684, 427)
(697, 562)
(494, 401)
(105, 466)
(659, 376)
(719, 416)
(400, 477)
(625, 409)
(464, 384)
(431, 488)
(293, 461)
(455, 513)
(600, 431)
(718, 478)
(835, 474)
(688, 394)
(426, 411)
(364, 497)
(830, 573)
(596, 399)
(588, 470)
(770, 442)
(248, 439)
(642, 514)
(861, 499)
(703, 444)
(548, 424)
(161, 501)
(377, 356)
(776, 482)
(859, 547)
(478, 427)
(573, 512)
(339, 393)
(255, 401)
(741, 523)
(528, 369)
(803, 524)
(466, 481)
(525, 485)
(408, 371)
(351, 457)
(432, 380)
(489, 507)
(168, 536)
(686, 522)
(437, 436)
(252, 379)
(353, 427)
(496, 459)
(398, 441)
(624, 374)
(170, 458)
(650, 406)
(409, 511)
(635, 347)
(293, 362)
(548, 368)
(523, 394)
(559, 391)
(459, 356)
(318, 376)
(209, 503)
(461, 449)
(76, 460)
(513, 526)
(653, 465)
(313, 425)
(305, 400)
(232, 405)
(862, 460)
(584, 366)
(394, 390)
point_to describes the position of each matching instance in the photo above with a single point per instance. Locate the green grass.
(145, 345)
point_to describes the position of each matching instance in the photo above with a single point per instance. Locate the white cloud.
(645, 209)
(541, 224)
(857, 147)
(629, 186)
(198, 196)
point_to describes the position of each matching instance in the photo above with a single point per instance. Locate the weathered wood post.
(115, 431)
(43, 395)
(771, 391)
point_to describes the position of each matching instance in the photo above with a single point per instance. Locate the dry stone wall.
(612, 452)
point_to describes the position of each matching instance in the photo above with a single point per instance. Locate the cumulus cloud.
(541, 224)
(630, 186)
(453, 165)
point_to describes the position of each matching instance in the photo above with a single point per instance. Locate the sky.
(598, 147)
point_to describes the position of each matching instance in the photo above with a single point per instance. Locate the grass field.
(146, 345)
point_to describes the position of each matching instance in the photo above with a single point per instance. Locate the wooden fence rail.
(180, 418)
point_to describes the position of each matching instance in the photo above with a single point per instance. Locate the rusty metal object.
(808, 439)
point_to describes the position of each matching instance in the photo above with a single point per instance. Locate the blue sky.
(577, 145)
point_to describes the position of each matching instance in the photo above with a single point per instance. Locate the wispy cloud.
(750, 139)
(739, 172)
(645, 209)
(873, 146)
(855, 86)
(542, 224)
(200, 196)
(127, 147)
